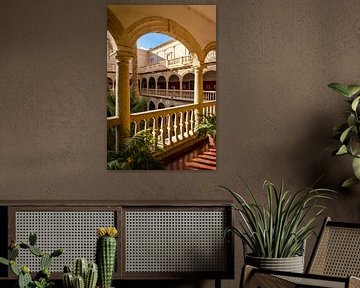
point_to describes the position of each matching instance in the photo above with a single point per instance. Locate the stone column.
(167, 86)
(122, 92)
(180, 87)
(198, 90)
(135, 75)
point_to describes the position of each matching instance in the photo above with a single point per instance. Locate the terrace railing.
(177, 94)
(169, 126)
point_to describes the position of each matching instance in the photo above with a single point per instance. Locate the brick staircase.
(204, 161)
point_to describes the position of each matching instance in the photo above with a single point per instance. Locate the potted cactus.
(106, 254)
(42, 278)
(84, 275)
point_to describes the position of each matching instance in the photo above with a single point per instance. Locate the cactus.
(88, 273)
(91, 276)
(32, 238)
(42, 278)
(13, 253)
(36, 251)
(79, 282)
(4, 261)
(80, 268)
(105, 254)
(24, 280)
(68, 280)
(14, 268)
(45, 261)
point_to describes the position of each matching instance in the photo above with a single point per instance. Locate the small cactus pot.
(105, 255)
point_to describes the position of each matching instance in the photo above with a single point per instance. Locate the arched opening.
(161, 106)
(152, 83)
(111, 62)
(111, 85)
(143, 83)
(174, 82)
(209, 81)
(211, 57)
(161, 82)
(188, 81)
(152, 105)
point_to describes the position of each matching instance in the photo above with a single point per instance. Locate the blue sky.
(151, 40)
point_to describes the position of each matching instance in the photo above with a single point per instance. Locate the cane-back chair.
(334, 263)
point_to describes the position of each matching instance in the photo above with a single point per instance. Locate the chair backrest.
(337, 251)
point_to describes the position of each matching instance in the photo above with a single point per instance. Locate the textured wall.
(275, 58)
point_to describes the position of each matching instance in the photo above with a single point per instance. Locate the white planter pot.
(291, 264)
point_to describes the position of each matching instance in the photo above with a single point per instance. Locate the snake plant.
(279, 228)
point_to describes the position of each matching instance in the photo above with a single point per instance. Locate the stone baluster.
(155, 131)
(161, 130)
(192, 121)
(181, 125)
(169, 128)
(187, 121)
(175, 126)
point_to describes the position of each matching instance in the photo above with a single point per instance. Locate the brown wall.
(275, 58)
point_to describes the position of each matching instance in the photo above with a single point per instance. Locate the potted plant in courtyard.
(274, 234)
(207, 128)
(348, 132)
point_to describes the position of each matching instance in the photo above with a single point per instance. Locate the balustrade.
(170, 126)
(177, 94)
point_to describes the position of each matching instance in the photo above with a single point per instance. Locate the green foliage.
(136, 154)
(138, 104)
(206, 126)
(348, 132)
(43, 283)
(110, 104)
(42, 278)
(279, 229)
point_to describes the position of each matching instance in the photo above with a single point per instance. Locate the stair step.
(204, 161)
(207, 157)
(200, 166)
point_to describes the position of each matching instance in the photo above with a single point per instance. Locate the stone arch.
(161, 82)
(161, 106)
(174, 82)
(143, 83)
(152, 106)
(152, 83)
(210, 46)
(114, 27)
(188, 81)
(166, 26)
(209, 80)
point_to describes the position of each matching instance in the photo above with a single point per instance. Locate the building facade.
(163, 72)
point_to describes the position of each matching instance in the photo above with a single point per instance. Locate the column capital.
(124, 55)
(199, 66)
